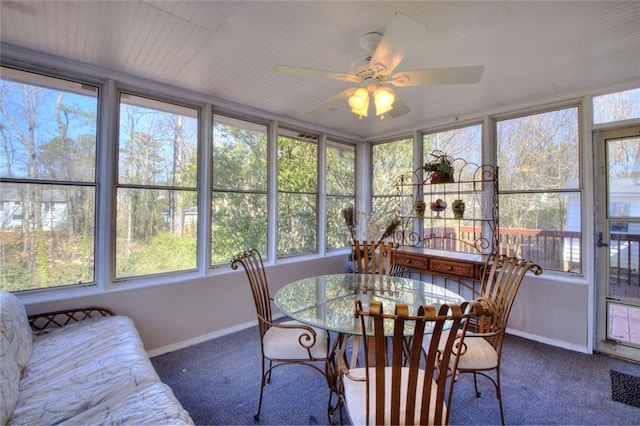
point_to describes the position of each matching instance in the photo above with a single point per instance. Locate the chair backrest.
(251, 261)
(501, 280)
(373, 258)
(421, 385)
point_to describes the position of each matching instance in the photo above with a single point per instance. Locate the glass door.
(618, 243)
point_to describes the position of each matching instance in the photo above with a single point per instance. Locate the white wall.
(553, 311)
(179, 314)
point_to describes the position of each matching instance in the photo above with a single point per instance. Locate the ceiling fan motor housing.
(370, 41)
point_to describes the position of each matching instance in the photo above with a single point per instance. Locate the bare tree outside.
(47, 188)
(616, 106)
(297, 196)
(239, 188)
(538, 159)
(341, 191)
(156, 215)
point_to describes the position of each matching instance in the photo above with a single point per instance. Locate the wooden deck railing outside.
(554, 250)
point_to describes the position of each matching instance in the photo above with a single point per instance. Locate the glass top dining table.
(329, 301)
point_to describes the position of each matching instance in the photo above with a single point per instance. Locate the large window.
(47, 181)
(239, 199)
(389, 160)
(341, 191)
(616, 106)
(461, 142)
(297, 193)
(540, 191)
(157, 187)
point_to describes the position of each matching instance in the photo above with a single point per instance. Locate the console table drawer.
(452, 267)
(467, 266)
(413, 262)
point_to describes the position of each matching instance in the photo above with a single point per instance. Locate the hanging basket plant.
(440, 169)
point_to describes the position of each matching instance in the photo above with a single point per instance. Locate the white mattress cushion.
(356, 397)
(148, 404)
(14, 326)
(9, 380)
(283, 343)
(80, 366)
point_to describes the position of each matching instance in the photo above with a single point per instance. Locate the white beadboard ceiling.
(228, 49)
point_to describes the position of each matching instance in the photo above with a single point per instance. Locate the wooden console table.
(441, 262)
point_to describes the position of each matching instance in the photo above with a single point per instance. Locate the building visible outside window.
(297, 193)
(157, 187)
(341, 191)
(239, 188)
(48, 132)
(540, 192)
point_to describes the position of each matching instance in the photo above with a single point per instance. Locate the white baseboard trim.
(200, 339)
(552, 342)
(209, 336)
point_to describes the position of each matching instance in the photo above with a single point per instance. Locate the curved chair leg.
(269, 371)
(496, 384)
(333, 409)
(499, 394)
(263, 382)
(475, 384)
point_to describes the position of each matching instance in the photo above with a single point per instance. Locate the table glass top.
(329, 301)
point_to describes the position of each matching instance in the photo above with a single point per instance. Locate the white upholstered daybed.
(84, 366)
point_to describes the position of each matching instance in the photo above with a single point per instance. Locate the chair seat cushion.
(284, 343)
(356, 397)
(480, 354)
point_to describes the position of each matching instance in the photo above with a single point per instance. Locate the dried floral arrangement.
(352, 217)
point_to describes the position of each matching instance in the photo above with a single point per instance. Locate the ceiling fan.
(375, 73)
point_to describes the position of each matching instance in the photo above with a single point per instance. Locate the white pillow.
(9, 381)
(14, 326)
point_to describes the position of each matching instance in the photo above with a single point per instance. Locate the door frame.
(601, 212)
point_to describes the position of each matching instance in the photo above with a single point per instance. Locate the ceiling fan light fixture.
(383, 99)
(359, 102)
(359, 99)
(362, 112)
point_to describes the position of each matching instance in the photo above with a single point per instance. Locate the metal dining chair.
(500, 284)
(405, 385)
(282, 343)
(376, 258)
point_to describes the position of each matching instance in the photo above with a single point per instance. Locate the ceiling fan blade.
(310, 72)
(435, 76)
(336, 103)
(396, 41)
(399, 108)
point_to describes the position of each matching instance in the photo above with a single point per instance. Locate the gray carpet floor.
(218, 383)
